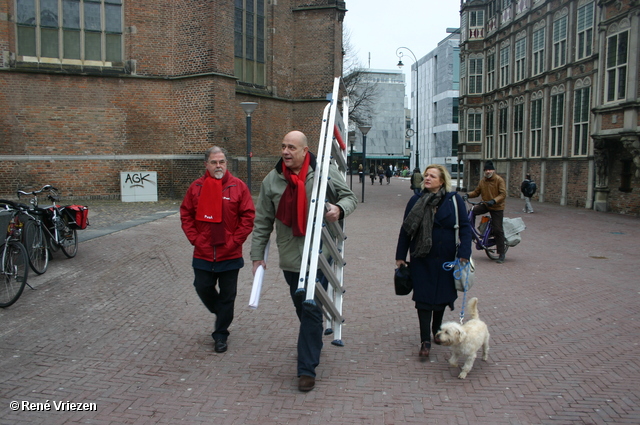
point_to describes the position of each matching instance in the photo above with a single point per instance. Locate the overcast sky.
(379, 27)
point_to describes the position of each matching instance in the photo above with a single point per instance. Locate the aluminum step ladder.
(325, 242)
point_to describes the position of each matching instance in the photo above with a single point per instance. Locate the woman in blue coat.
(428, 234)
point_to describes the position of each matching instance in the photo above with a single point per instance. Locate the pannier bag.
(512, 228)
(79, 215)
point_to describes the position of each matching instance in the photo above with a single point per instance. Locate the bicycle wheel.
(68, 239)
(15, 268)
(36, 245)
(492, 252)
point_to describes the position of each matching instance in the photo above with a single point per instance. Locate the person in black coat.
(428, 233)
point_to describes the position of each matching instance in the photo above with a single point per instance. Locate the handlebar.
(14, 205)
(45, 188)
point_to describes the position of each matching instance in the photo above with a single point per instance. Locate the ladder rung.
(329, 309)
(336, 153)
(335, 227)
(329, 273)
(329, 243)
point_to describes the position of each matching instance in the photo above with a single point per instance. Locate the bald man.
(284, 202)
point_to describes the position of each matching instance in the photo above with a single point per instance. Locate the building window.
(581, 106)
(556, 125)
(560, 42)
(476, 18)
(504, 67)
(521, 50)
(536, 128)
(250, 41)
(617, 66)
(503, 125)
(456, 110)
(475, 76)
(585, 31)
(70, 31)
(491, 72)
(474, 127)
(538, 52)
(518, 130)
(454, 143)
(490, 134)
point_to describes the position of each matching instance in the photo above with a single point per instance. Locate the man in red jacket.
(217, 217)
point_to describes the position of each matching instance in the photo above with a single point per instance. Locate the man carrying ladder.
(285, 200)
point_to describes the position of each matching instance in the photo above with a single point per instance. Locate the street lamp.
(248, 108)
(364, 129)
(352, 141)
(400, 65)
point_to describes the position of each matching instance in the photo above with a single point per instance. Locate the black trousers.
(427, 326)
(219, 301)
(496, 225)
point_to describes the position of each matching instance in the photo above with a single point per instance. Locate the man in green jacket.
(284, 201)
(493, 191)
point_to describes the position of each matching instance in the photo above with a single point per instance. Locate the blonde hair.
(444, 175)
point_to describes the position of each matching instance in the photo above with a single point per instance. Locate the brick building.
(551, 88)
(91, 88)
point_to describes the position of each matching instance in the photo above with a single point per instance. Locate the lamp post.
(352, 140)
(400, 65)
(248, 108)
(364, 129)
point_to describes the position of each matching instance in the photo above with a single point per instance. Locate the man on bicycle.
(217, 216)
(493, 192)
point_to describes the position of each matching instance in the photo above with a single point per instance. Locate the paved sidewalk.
(121, 326)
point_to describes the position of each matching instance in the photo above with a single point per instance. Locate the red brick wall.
(183, 99)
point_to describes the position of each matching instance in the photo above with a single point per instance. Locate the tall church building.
(551, 88)
(92, 88)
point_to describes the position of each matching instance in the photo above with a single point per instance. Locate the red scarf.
(292, 209)
(210, 206)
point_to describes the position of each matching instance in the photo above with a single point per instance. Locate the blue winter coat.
(431, 283)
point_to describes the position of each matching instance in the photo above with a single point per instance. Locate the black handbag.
(402, 280)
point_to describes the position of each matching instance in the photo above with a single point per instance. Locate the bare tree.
(361, 90)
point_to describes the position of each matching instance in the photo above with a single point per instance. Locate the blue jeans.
(311, 327)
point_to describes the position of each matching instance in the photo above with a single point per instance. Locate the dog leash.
(457, 274)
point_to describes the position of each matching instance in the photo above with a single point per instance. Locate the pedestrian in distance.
(217, 216)
(388, 172)
(428, 234)
(380, 173)
(361, 173)
(372, 173)
(493, 192)
(416, 181)
(284, 203)
(528, 189)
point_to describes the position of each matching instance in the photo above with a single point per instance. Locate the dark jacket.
(238, 214)
(528, 188)
(431, 283)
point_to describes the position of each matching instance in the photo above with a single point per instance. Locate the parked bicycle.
(15, 268)
(48, 229)
(482, 236)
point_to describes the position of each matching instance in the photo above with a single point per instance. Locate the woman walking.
(428, 234)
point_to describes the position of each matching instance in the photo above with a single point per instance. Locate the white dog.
(465, 340)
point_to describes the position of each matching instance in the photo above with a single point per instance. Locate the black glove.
(491, 203)
(465, 197)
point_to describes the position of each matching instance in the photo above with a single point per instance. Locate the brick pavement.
(121, 326)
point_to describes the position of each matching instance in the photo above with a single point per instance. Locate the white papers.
(257, 281)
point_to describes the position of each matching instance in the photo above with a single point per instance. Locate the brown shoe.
(424, 350)
(306, 383)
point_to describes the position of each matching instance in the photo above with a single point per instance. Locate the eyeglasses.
(221, 162)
